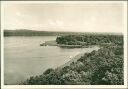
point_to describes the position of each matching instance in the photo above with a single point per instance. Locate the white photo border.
(63, 86)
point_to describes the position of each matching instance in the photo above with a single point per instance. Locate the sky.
(77, 17)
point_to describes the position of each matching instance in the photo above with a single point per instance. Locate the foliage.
(102, 67)
(95, 39)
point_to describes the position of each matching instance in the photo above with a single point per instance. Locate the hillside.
(102, 67)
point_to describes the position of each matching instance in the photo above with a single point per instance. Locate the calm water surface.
(24, 57)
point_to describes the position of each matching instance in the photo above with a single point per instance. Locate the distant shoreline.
(26, 32)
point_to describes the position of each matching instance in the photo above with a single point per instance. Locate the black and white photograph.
(64, 43)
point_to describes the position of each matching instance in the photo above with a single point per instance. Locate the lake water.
(24, 57)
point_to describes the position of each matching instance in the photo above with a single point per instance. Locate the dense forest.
(89, 39)
(102, 67)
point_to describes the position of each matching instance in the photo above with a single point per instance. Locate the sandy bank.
(76, 57)
(54, 43)
(73, 59)
(49, 43)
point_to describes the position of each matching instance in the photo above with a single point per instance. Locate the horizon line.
(63, 31)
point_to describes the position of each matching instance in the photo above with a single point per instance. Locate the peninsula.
(100, 67)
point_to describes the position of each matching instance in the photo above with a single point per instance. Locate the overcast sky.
(81, 17)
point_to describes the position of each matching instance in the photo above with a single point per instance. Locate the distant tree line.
(25, 32)
(102, 67)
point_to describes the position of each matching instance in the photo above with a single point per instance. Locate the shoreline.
(54, 43)
(49, 43)
(75, 58)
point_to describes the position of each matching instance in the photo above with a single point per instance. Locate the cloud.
(55, 23)
(85, 18)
